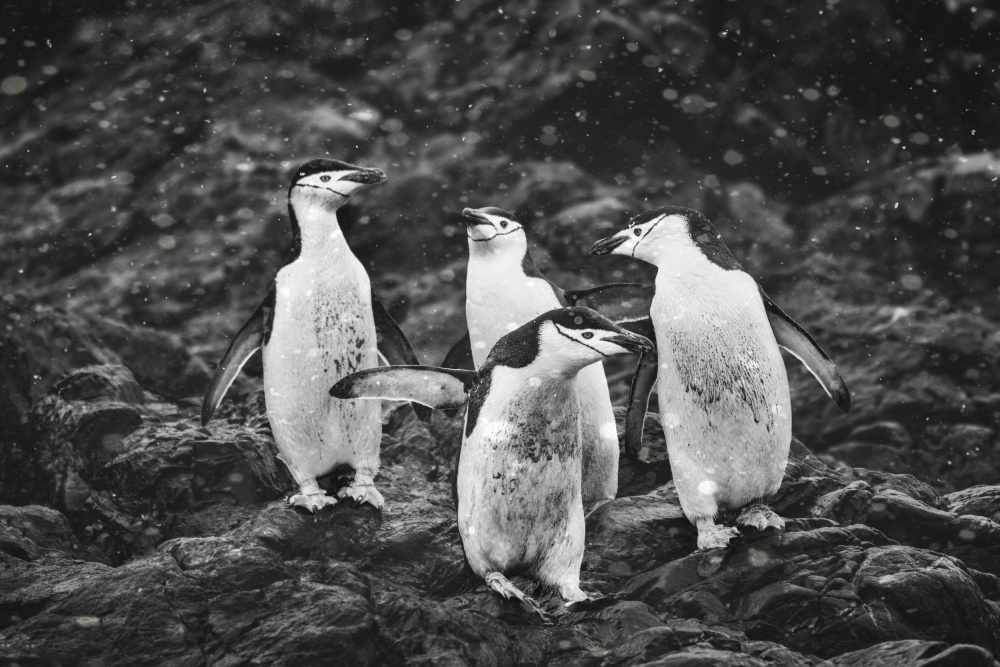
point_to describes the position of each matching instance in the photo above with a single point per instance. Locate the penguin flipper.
(460, 354)
(438, 388)
(623, 303)
(393, 346)
(247, 340)
(804, 347)
(638, 401)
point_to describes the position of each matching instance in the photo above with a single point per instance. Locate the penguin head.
(563, 341)
(493, 229)
(330, 183)
(673, 230)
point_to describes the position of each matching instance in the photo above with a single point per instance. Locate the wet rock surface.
(834, 145)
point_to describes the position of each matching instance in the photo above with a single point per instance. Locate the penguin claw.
(715, 537)
(363, 493)
(312, 501)
(508, 590)
(594, 603)
(760, 517)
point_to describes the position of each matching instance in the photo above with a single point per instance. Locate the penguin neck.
(319, 231)
(690, 273)
(506, 251)
(534, 380)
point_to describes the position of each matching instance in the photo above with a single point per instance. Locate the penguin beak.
(607, 246)
(632, 342)
(474, 217)
(365, 176)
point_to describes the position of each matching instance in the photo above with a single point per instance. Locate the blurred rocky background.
(848, 152)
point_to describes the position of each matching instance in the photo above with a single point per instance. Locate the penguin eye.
(588, 334)
(503, 224)
(324, 178)
(638, 231)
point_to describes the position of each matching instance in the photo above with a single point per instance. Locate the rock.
(917, 653)
(197, 600)
(145, 217)
(34, 533)
(980, 500)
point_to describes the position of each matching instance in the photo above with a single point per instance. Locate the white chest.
(499, 299)
(716, 350)
(323, 317)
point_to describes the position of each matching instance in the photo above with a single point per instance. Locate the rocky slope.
(845, 150)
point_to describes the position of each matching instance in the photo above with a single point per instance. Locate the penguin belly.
(519, 503)
(501, 298)
(723, 391)
(323, 329)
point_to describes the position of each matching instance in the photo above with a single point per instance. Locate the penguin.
(319, 321)
(722, 385)
(505, 289)
(519, 501)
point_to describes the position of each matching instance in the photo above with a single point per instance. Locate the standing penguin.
(518, 490)
(723, 391)
(505, 289)
(319, 321)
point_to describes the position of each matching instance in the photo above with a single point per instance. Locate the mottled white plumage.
(519, 476)
(323, 329)
(723, 392)
(319, 322)
(722, 385)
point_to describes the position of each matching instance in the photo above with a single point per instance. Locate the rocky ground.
(847, 152)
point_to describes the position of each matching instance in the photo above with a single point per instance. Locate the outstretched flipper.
(625, 304)
(438, 388)
(797, 340)
(254, 332)
(504, 587)
(393, 346)
(638, 402)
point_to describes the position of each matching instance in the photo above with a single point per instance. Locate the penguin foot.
(760, 517)
(596, 506)
(713, 536)
(363, 493)
(312, 501)
(504, 587)
(594, 603)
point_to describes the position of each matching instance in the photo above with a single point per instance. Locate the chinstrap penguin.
(504, 289)
(722, 385)
(319, 321)
(520, 509)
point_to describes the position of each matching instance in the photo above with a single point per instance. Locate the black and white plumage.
(520, 507)
(319, 321)
(723, 391)
(504, 289)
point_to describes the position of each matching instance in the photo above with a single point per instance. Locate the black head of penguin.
(324, 174)
(522, 346)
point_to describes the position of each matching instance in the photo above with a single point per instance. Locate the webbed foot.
(504, 587)
(312, 501)
(714, 536)
(362, 490)
(595, 603)
(760, 517)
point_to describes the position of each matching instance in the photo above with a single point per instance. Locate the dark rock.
(34, 533)
(195, 600)
(980, 500)
(145, 217)
(915, 653)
